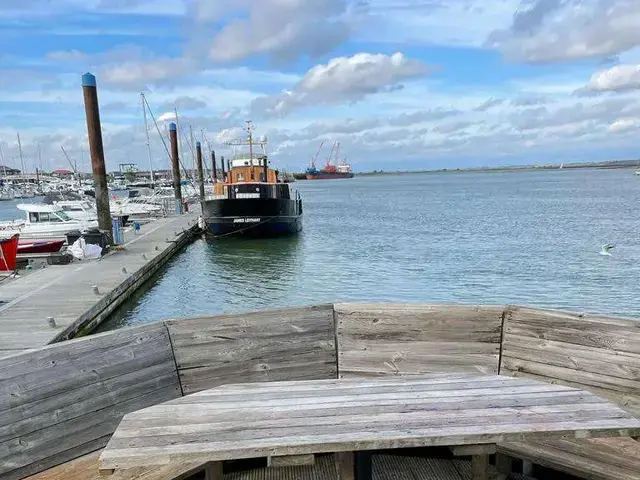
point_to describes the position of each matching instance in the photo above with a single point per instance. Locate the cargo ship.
(252, 200)
(330, 170)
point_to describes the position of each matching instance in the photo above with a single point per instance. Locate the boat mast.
(4, 167)
(250, 142)
(146, 131)
(39, 164)
(21, 157)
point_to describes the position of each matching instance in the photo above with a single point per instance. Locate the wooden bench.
(601, 355)
(351, 417)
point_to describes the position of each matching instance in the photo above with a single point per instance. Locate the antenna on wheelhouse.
(250, 139)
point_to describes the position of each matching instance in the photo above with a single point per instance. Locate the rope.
(253, 225)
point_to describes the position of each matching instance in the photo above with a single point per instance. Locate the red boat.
(8, 252)
(40, 246)
(330, 171)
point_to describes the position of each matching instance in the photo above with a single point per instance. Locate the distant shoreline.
(618, 164)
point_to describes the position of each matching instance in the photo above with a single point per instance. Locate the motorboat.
(45, 222)
(78, 209)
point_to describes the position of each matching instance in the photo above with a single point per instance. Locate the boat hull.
(40, 246)
(9, 247)
(255, 218)
(328, 176)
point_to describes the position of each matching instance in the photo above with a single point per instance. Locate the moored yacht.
(45, 222)
(252, 200)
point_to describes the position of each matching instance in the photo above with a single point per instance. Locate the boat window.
(59, 216)
(253, 176)
(44, 216)
(240, 177)
(33, 217)
(262, 177)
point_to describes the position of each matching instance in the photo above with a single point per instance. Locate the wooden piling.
(199, 167)
(94, 130)
(175, 166)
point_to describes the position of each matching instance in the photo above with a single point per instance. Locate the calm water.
(504, 237)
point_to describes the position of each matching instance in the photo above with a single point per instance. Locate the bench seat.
(590, 458)
(86, 468)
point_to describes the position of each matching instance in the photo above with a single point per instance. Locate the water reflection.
(217, 276)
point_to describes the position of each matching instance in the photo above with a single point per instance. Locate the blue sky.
(402, 84)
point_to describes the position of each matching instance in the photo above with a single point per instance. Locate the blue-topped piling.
(96, 148)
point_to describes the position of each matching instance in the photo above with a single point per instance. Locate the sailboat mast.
(4, 166)
(193, 146)
(21, 157)
(146, 131)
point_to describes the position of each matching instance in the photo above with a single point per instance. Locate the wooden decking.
(310, 417)
(66, 292)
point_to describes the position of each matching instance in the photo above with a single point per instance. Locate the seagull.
(605, 249)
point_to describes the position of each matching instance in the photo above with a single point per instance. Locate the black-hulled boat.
(252, 200)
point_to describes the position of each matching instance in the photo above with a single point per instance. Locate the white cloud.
(284, 30)
(624, 125)
(560, 30)
(616, 79)
(344, 79)
(139, 74)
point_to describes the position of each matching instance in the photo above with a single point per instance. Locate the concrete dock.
(67, 294)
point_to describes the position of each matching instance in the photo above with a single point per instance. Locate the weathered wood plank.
(58, 369)
(467, 450)
(599, 354)
(293, 343)
(291, 460)
(480, 467)
(47, 442)
(582, 462)
(614, 334)
(65, 400)
(587, 379)
(221, 429)
(628, 401)
(345, 465)
(376, 340)
(82, 468)
(589, 359)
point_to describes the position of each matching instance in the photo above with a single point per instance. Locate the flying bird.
(605, 249)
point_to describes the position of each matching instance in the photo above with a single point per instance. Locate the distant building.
(62, 173)
(4, 170)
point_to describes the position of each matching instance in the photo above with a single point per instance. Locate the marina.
(59, 302)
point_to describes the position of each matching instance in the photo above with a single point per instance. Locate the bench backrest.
(395, 339)
(64, 400)
(599, 354)
(286, 344)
